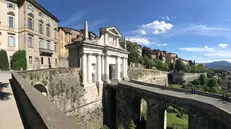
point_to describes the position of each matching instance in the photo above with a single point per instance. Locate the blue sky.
(194, 29)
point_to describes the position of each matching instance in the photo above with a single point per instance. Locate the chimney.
(86, 34)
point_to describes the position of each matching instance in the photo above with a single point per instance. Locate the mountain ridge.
(225, 65)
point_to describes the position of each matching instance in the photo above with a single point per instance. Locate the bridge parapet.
(35, 109)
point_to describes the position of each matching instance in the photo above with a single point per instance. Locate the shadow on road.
(4, 95)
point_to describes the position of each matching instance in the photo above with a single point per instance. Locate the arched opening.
(139, 112)
(36, 63)
(41, 89)
(216, 124)
(170, 78)
(109, 107)
(175, 118)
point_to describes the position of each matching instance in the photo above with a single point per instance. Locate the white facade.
(101, 59)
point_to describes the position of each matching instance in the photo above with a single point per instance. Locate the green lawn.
(173, 119)
(174, 85)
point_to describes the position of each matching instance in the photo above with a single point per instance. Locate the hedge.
(4, 63)
(19, 60)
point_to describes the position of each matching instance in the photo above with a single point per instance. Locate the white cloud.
(144, 41)
(166, 18)
(143, 32)
(197, 49)
(158, 27)
(202, 30)
(72, 19)
(222, 45)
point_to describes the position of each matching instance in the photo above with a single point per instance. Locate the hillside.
(219, 65)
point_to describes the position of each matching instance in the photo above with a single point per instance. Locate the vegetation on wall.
(4, 63)
(19, 60)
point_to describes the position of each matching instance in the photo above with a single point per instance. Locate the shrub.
(132, 125)
(4, 64)
(121, 127)
(202, 79)
(196, 82)
(104, 127)
(212, 82)
(189, 86)
(19, 60)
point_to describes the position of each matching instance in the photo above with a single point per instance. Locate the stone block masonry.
(148, 76)
(63, 87)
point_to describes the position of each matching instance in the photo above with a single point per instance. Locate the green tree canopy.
(134, 53)
(180, 66)
(212, 82)
(4, 64)
(19, 60)
(202, 79)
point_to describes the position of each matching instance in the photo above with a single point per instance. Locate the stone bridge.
(205, 110)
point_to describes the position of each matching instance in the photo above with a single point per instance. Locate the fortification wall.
(178, 78)
(148, 76)
(83, 104)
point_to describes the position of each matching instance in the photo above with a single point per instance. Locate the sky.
(197, 30)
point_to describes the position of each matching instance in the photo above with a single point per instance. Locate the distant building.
(173, 57)
(26, 25)
(186, 62)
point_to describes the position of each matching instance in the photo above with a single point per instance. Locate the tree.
(148, 62)
(212, 83)
(196, 82)
(202, 79)
(19, 60)
(141, 60)
(132, 125)
(121, 127)
(104, 127)
(134, 53)
(171, 67)
(4, 64)
(179, 66)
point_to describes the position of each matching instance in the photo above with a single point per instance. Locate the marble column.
(165, 119)
(84, 68)
(89, 69)
(102, 67)
(118, 68)
(106, 69)
(123, 67)
(98, 68)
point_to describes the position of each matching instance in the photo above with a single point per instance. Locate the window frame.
(30, 44)
(32, 21)
(11, 36)
(42, 60)
(9, 7)
(42, 29)
(48, 32)
(30, 60)
(9, 22)
(30, 7)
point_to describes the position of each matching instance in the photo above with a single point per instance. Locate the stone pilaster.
(99, 68)
(102, 67)
(89, 69)
(84, 68)
(153, 115)
(106, 69)
(118, 68)
(197, 119)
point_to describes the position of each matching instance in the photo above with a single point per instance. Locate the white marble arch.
(97, 56)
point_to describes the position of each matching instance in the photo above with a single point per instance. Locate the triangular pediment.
(113, 30)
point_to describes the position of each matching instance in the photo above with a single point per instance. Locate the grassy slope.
(171, 118)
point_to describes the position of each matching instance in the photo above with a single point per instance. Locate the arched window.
(11, 19)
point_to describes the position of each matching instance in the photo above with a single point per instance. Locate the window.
(55, 33)
(10, 58)
(41, 43)
(55, 47)
(40, 28)
(56, 62)
(30, 41)
(41, 60)
(11, 41)
(48, 31)
(30, 23)
(11, 21)
(11, 5)
(48, 44)
(30, 7)
(41, 14)
(30, 59)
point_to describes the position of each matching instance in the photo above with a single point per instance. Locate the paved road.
(9, 115)
(226, 106)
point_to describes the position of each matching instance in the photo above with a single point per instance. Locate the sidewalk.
(9, 114)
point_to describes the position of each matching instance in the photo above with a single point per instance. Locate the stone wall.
(63, 62)
(178, 78)
(148, 76)
(83, 104)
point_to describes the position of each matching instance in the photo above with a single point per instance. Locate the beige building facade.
(34, 29)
